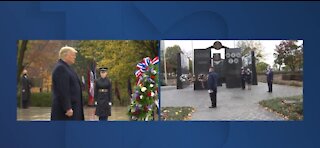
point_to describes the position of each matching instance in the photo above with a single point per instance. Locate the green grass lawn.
(290, 108)
(176, 113)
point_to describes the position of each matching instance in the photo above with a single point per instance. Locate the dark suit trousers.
(213, 97)
(243, 83)
(269, 86)
(25, 103)
(103, 118)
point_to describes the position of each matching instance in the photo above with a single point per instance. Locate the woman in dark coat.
(243, 78)
(248, 78)
(103, 89)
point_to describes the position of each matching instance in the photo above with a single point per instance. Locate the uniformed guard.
(103, 89)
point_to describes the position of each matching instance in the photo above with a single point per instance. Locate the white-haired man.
(66, 88)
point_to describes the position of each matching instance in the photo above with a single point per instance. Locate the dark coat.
(66, 92)
(269, 76)
(243, 75)
(212, 81)
(25, 87)
(103, 98)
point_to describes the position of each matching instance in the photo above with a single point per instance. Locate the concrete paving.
(43, 114)
(232, 104)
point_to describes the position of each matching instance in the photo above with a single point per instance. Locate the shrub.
(41, 99)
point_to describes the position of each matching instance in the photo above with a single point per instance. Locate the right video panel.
(232, 80)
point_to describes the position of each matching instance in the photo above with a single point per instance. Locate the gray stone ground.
(43, 114)
(232, 104)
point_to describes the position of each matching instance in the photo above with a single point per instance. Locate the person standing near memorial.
(269, 74)
(67, 101)
(243, 78)
(212, 86)
(25, 88)
(103, 89)
(248, 78)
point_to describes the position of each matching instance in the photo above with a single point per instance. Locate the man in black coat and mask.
(25, 89)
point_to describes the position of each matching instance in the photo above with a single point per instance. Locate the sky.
(187, 46)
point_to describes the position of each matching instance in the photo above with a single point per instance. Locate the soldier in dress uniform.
(26, 86)
(103, 89)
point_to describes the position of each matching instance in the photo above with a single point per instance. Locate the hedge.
(44, 99)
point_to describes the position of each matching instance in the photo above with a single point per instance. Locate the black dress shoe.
(212, 106)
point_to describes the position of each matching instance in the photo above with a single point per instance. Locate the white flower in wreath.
(144, 75)
(154, 72)
(143, 89)
(182, 78)
(141, 96)
(151, 85)
(152, 94)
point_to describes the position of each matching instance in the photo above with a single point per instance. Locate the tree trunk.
(21, 51)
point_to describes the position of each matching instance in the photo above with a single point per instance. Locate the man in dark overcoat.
(25, 89)
(269, 79)
(67, 101)
(212, 86)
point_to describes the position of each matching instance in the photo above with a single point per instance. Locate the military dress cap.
(103, 69)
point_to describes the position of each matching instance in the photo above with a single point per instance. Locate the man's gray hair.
(64, 50)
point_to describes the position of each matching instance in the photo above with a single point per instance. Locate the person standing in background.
(243, 78)
(212, 85)
(269, 74)
(103, 91)
(248, 78)
(25, 90)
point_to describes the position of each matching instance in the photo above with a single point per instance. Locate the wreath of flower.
(202, 77)
(144, 100)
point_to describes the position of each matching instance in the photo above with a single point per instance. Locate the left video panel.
(87, 80)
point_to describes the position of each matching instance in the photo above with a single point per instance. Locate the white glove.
(110, 103)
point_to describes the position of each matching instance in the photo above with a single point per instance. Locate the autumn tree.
(171, 58)
(290, 54)
(250, 45)
(262, 66)
(41, 57)
(121, 58)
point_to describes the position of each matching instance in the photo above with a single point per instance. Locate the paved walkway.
(43, 114)
(232, 104)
